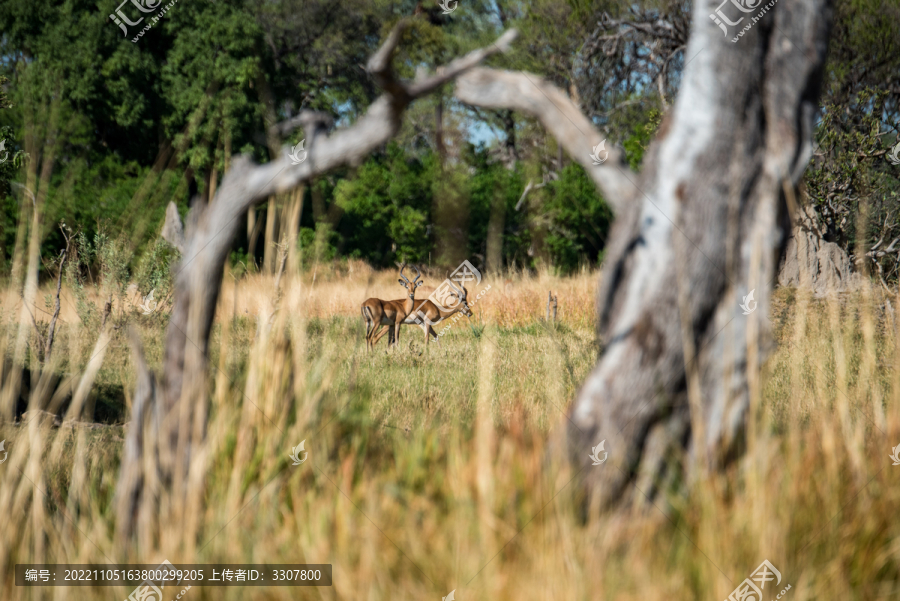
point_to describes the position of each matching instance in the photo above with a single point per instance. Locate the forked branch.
(206, 242)
(247, 184)
(530, 94)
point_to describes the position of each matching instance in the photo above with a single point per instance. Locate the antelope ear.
(419, 284)
(402, 283)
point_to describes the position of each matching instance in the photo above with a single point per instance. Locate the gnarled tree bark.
(813, 262)
(703, 225)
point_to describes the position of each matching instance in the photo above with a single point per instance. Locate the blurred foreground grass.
(434, 471)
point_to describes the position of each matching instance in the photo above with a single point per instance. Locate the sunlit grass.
(436, 470)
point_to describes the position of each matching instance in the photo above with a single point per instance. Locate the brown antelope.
(377, 312)
(432, 313)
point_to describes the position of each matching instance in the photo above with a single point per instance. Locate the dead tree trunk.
(702, 226)
(813, 262)
(179, 401)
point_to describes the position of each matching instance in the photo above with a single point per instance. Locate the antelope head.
(410, 286)
(462, 295)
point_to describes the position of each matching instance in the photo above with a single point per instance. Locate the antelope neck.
(446, 314)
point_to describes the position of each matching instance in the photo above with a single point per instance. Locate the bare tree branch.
(530, 94)
(211, 228)
(310, 121)
(528, 188)
(141, 431)
(51, 331)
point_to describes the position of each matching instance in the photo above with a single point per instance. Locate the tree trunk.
(252, 233)
(811, 261)
(439, 128)
(494, 242)
(294, 211)
(497, 219)
(271, 236)
(701, 227)
(707, 226)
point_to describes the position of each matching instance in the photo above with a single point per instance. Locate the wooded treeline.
(140, 123)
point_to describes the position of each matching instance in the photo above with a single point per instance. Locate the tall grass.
(434, 471)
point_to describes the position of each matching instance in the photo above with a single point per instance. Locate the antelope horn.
(402, 267)
(458, 291)
(418, 274)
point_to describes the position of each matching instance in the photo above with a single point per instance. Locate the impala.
(432, 314)
(377, 312)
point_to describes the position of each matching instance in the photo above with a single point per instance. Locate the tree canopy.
(143, 120)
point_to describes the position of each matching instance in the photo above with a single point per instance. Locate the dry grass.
(432, 472)
(514, 299)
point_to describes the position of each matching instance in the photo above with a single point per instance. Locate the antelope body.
(431, 314)
(377, 312)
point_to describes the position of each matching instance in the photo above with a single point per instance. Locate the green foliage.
(208, 78)
(11, 159)
(112, 260)
(493, 182)
(863, 51)
(100, 266)
(387, 208)
(154, 270)
(639, 140)
(318, 245)
(579, 220)
(409, 229)
(388, 211)
(848, 176)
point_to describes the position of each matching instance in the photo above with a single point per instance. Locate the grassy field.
(431, 471)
